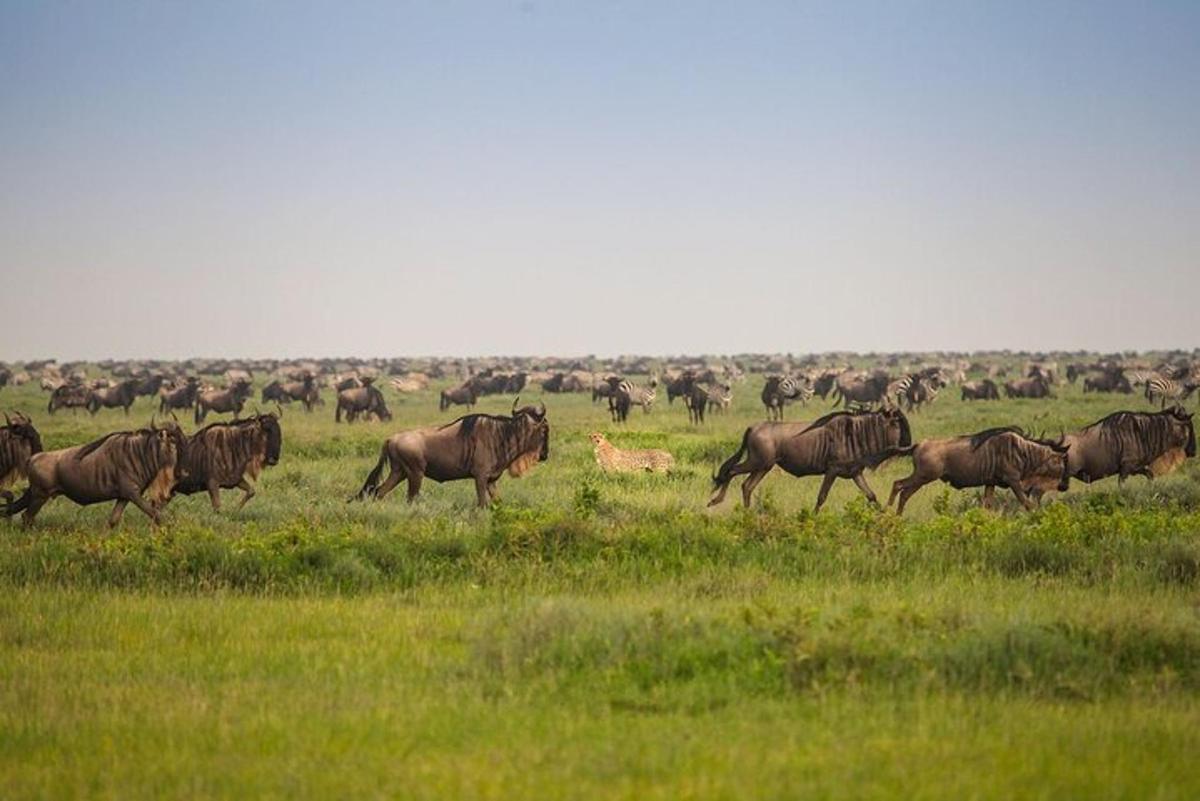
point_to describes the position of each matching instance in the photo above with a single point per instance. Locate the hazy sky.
(275, 179)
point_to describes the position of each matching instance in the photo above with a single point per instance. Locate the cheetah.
(612, 459)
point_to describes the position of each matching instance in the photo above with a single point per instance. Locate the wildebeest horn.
(541, 409)
(280, 409)
(7, 422)
(173, 417)
(152, 422)
(516, 400)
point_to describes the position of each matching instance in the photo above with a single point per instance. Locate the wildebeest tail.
(371, 486)
(724, 473)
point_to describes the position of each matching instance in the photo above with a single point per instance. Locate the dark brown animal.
(366, 400)
(1037, 387)
(222, 401)
(74, 395)
(305, 391)
(230, 456)
(122, 466)
(464, 395)
(121, 397)
(19, 440)
(838, 445)
(997, 457)
(1127, 444)
(478, 446)
(980, 390)
(181, 397)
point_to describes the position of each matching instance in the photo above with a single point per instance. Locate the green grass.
(600, 636)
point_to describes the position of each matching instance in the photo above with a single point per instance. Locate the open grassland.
(599, 636)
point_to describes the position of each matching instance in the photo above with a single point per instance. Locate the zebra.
(915, 390)
(720, 397)
(1168, 389)
(626, 395)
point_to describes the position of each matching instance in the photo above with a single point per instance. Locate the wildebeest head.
(533, 437)
(898, 427)
(1183, 429)
(269, 424)
(22, 427)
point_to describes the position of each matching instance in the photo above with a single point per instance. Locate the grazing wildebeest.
(304, 390)
(73, 395)
(367, 400)
(229, 456)
(118, 467)
(462, 395)
(477, 446)
(232, 399)
(121, 396)
(1037, 387)
(1111, 380)
(18, 441)
(696, 401)
(778, 390)
(838, 445)
(980, 390)
(997, 457)
(180, 397)
(1127, 444)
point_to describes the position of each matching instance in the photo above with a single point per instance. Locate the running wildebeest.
(1127, 444)
(118, 467)
(997, 457)
(229, 456)
(19, 440)
(838, 445)
(367, 399)
(304, 391)
(232, 399)
(180, 397)
(477, 446)
(463, 395)
(121, 397)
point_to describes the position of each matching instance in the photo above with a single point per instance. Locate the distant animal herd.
(869, 426)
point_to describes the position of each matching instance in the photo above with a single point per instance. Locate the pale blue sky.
(470, 178)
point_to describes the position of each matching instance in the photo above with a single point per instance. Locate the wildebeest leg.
(492, 493)
(246, 487)
(481, 492)
(36, 501)
(1019, 491)
(414, 483)
(750, 483)
(861, 482)
(214, 495)
(911, 485)
(823, 493)
(117, 510)
(394, 478)
(989, 496)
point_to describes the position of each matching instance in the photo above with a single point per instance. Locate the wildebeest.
(18, 441)
(148, 385)
(1037, 387)
(1127, 444)
(696, 401)
(232, 399)
(118, 467)
(778, 390)
(862, 390)
(997, 457)
(462, 395)
(680, 386)
(606, 388)
(121, 396)
(838, 445)
(73, 395)
(304, 391)
(1111, 380)
(980, 390)
(180, 397)
(477, 446)
(366, 400)
(229, 456)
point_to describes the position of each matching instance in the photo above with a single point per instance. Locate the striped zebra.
(720, 397)
(1168, 389)
(915, 390)
(626, 395)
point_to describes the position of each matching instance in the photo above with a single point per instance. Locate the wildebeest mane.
(1150, 431)
(983, 436)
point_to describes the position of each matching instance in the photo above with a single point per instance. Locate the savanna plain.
(604, 636)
